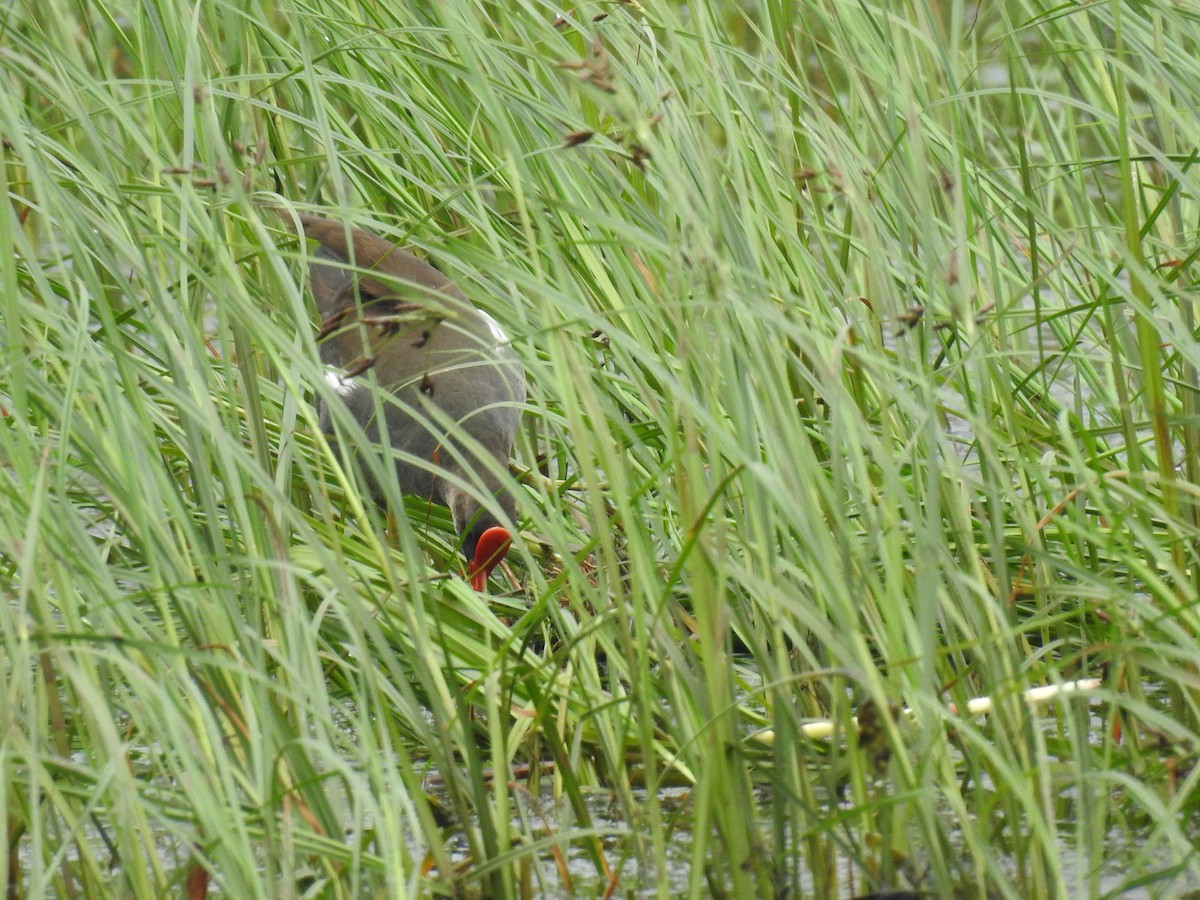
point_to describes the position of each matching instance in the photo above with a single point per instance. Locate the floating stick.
(977, 706)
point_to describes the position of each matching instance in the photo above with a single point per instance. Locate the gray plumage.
(446, 365)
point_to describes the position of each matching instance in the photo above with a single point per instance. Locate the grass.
(862, 361)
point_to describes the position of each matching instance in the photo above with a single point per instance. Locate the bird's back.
(452, 386)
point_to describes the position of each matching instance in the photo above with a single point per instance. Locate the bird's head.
(485, 542)
(485, 553)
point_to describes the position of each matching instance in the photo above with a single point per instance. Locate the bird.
(454, 386)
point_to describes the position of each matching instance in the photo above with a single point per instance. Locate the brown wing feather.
(369, 251)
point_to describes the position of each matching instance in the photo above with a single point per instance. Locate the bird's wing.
(343, 249)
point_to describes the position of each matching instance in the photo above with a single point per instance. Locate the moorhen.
(454, 386)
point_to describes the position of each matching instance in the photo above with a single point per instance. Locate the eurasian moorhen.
(455, 387)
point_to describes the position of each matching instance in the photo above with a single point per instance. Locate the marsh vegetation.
(861, 351)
